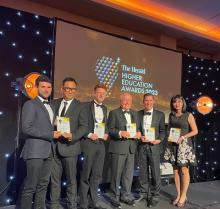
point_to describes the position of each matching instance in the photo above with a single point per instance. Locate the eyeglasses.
(68, 89)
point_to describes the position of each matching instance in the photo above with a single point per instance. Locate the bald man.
(123, 125)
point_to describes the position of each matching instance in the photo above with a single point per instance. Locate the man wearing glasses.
(68, 146)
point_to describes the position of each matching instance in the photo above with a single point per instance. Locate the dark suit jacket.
(117, 122)
(89, 108)
(78, 127)
(37, 129)
(158, 122)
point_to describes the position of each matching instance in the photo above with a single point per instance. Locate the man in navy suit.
(37, 126)
(149, 150)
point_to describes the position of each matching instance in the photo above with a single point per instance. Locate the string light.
(7, 155)
(20, 52)
(23, 26)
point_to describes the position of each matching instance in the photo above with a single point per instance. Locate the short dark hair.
(173, 99)
(42, 78)
(102, 86)
(147, 95)
(69, 79)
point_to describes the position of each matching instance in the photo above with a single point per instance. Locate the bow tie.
(126, 111)
(46, 102)
(147, 113)
(98, 105)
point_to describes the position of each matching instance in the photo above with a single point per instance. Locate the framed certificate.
(150, 133)
(63, 124)
(131, 128)
(174, 134)
(99, 130)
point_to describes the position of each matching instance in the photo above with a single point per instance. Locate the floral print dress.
(182, 154)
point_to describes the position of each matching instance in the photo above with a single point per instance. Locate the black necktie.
(147, 113)
(63, 110)
(46, 102)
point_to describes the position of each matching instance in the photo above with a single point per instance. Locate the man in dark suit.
(37, 126)
(122, 147)
(94, 148)
(152, 125)
(67, 146)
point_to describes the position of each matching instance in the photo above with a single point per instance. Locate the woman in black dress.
(181, 154)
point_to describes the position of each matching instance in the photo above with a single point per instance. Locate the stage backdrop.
(93, 57)
(26, 42)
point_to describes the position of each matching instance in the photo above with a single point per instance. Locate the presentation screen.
(93, 57)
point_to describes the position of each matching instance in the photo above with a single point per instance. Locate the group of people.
(49, 153)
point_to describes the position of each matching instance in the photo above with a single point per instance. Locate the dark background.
(32, 37)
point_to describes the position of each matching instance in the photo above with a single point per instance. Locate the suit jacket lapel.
(93, 111)
(154, 118)
(44, 109)
(132, 117)
(122, 116)
(105, 114)
(70, 108)
(142, 118)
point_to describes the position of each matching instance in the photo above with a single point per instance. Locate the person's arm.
(113, 130)
(162, 127)
(193, 126)
(161, 130)
(82, 129)
(28, 126)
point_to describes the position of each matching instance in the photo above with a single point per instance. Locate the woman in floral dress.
(181, 153)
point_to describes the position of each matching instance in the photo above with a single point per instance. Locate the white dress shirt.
(98, 112)
(147, 119)
(48, 107)
(62, 105)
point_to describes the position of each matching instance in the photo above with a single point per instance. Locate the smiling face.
(126, 101)
(148, 102)
(44, 89)
(69, 90)
(178, 105)
(100, 95)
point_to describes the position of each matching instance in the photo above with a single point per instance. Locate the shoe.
(97, 207)
(128, 202)
(140, 198)
(151, 203)
(115, 203)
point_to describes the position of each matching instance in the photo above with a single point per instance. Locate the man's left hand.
(138, 135)
(156, 141)
(105, 137)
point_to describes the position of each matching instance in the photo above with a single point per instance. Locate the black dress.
(182, 154)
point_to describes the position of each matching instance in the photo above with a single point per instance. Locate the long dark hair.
(173, 99)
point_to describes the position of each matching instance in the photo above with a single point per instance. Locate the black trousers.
(68, 165)
(91, 175)
(149, 161)
(36, 183)
(122, 170)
